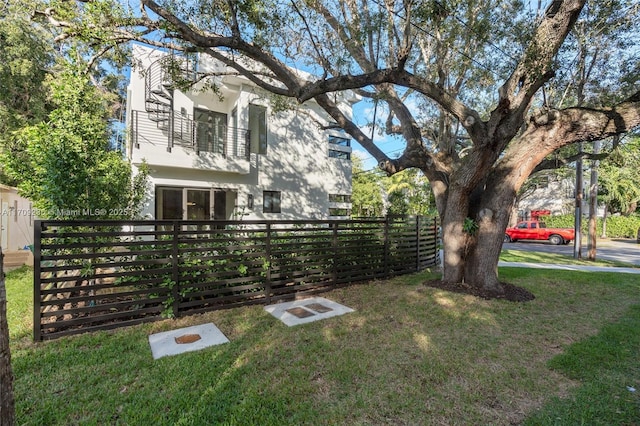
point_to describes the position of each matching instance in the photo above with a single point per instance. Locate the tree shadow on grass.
(511, 293)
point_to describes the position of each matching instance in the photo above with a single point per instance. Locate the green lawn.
(408, 355)
(510, 255)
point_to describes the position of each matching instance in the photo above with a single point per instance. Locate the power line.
(374, 169)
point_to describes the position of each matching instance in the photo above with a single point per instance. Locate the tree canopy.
(25, 56)
(472, 87)
(619, 180)
(65, 166)
(367, 191)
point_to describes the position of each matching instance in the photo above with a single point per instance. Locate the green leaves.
(470, 226)
(366, 196)
(65, 166)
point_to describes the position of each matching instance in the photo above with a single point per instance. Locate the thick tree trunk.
(7, 410)
(471, 255)
(481, 266)
(454, 239)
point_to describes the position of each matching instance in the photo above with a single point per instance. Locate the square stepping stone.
(186, 339)
(318, 307)
(300, 312)
(306, 310)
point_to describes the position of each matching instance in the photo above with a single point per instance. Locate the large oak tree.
(462, 83)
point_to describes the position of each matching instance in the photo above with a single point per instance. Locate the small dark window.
(271, 202)
(339, 154)
(337, 140)
(339, 198)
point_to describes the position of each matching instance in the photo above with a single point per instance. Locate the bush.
(617, 226)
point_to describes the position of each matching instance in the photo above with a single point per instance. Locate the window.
(198, 204)
(271, 202)
(339, 154)
(337, 140)
(339, 212)
(169, 203)
(258, 128)
(194, 203)
(211, 130)
(339, 198)
(543, 182)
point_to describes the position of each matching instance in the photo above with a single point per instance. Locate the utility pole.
(577, 243)
(593, 203)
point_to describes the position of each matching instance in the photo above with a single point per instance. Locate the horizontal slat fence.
(92, 275)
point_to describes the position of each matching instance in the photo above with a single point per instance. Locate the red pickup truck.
(535, 230)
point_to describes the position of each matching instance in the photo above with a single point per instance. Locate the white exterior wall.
(558, 197)
(296, 161)
(17, 216)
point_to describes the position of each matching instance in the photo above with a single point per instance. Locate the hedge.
(617, 226)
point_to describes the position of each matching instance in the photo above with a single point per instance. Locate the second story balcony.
(169, 138)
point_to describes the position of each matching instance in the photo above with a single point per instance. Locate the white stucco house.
(554, 194)
(229, 155)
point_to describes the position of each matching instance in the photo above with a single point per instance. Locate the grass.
(408, 355)
(608, 366)
(560, 259)
(20, 302)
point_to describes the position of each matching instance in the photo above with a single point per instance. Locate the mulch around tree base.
(511, 293)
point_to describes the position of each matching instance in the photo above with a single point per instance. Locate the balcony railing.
(176, 129)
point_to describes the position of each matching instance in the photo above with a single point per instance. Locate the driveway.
(621, 250)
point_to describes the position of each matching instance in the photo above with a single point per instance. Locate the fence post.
(436, 235)
(334, 246)
(386, 247)
(37, 257)
(175, 273)
(418, 240)
(267, 255)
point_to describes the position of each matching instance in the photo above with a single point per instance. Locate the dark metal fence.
(92, 275)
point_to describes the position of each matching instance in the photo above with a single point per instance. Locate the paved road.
(622, 250)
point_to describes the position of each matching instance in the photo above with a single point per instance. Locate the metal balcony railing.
(180, 130)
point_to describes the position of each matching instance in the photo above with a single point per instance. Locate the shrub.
(617, 226)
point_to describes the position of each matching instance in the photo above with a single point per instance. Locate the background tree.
(409, 193)
(366, 190)
(65, 165)
(26, 54)
(482, 66)
(619, 178)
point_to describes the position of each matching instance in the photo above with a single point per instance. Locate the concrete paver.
(193, 338)
(306, 310)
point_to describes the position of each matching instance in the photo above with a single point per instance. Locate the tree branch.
(532, 71)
